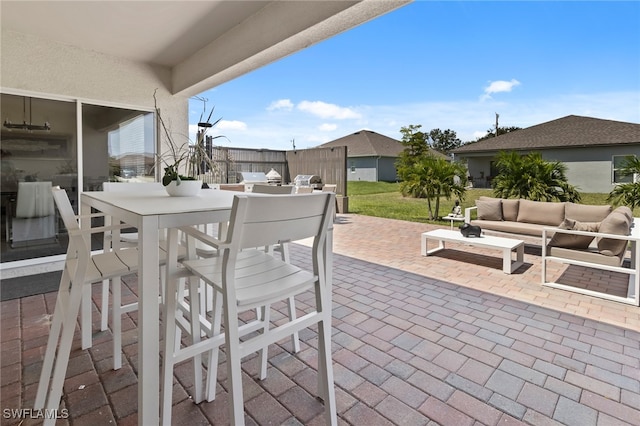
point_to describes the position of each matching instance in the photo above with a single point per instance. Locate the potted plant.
(184, 162)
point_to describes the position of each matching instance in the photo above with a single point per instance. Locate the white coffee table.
(507, 245)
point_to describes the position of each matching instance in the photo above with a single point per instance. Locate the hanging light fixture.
(24, 125)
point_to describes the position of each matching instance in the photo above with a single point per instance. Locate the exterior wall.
(387, 170)
(371, 169)
(590, 169)
(361, 168)
(32, 65)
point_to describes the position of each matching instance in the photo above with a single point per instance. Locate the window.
(353, 167)
(114, 144)
(616, 173)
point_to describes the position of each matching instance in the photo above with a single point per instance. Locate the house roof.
(568, 132)
(366, 143)
(202, 43)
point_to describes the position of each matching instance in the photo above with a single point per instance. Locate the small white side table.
(453, 219)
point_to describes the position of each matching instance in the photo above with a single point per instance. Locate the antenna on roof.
(293, 142)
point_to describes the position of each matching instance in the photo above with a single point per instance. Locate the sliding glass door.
(41, 147)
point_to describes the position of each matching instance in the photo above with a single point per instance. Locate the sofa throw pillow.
(574, 241)
(510, 210)
(617, 223)
(541, 212)
(489, 209)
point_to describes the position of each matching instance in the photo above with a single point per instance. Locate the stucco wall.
(587, 168)
(387, 170)
(371, 169)
(590, 168)
(365, 169)
(47, 69)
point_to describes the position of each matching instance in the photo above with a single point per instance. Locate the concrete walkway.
(447, 339)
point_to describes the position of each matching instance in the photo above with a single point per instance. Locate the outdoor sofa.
(585, 235)
(526, 217)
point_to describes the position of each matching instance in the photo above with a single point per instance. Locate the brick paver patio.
(447, 339)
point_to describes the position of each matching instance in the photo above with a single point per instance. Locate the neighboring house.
(592, 149)
(371, 156)
(89, 71)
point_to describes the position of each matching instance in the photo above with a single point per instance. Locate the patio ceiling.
(203, 43)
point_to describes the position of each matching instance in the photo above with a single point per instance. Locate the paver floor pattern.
(448, 339)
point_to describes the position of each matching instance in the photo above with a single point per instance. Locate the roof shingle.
(566, 132)
(366, 143)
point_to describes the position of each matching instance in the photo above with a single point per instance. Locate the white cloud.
(479, 134)
(499, 87)
(325, 110)
(231, 125)
(468, 118)
(280, 104)
(327, 127)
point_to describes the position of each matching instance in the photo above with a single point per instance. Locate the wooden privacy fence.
(328, 163)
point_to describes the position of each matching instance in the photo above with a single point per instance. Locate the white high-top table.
(152, 212)
(506, 245)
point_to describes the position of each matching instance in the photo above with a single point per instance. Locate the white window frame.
(625, 179)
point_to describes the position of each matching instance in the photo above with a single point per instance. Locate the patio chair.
(284, 251)
(273, 189)
(114, 240)
(245, 278)
(304, 190)
(331, 188)
(127, 238)
(81, 269)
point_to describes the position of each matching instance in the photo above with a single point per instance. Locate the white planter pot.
(187, 188)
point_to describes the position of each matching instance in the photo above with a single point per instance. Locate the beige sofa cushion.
(617, 223)
(489, 209)
(510, 209)
(625, 211)
(585, 212)
(511, 227)
(543, 213)
(574, 241)
(590, 255)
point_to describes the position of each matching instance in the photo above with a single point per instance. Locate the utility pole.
(497, 116)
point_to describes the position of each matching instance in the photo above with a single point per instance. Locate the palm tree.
(627, 193)
(533, 178)
(432, 178)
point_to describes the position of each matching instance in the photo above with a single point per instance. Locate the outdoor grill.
(313, 181)
(273, 177)
(252, 177)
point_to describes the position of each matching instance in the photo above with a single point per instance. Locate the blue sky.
(448, 65)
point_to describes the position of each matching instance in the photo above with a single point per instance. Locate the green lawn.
(383, 199)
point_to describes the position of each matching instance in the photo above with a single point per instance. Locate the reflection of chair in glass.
(34, 216)
(244, 279)
(81, 269)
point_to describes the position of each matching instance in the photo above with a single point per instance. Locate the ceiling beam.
(277, 30)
